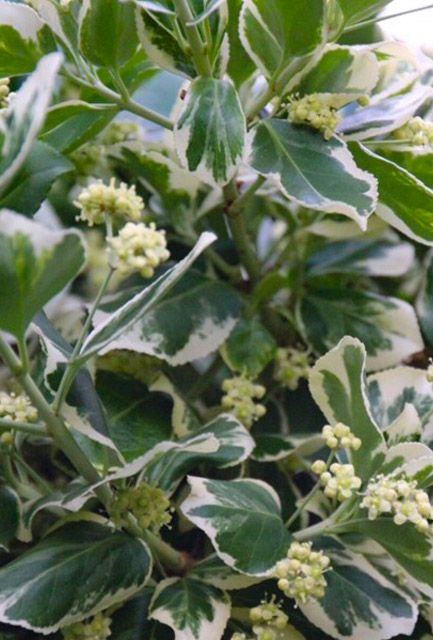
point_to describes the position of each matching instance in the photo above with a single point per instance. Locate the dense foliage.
(216, 306)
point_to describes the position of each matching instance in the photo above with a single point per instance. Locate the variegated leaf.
(184, 419)
(313, 172)
(135, 309)
(36, 263)
(360, 602)
(229, 511)
(337, 384)
(365, 257)
(214, 571)
(249, 348)
(74, 556)
(210, 311)
(387, 326)
(405, 202)
(210, 131)
(193, 609)
(25, 117)
(271, 35)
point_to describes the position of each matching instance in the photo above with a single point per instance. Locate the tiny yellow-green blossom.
(316, 111)
(139, 247)
(302, 574)
(149, 506)
(416, 132)
(268, 620)
(319, 467)
(400, 497)
(291, 365)
(17, 407)
(4, 92)
(123, 131)
(97, 629)
(241, 395)
(240, 636)
(340, 481)
(7, 438)
(340, 436)
(99, 200)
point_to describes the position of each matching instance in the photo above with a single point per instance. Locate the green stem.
(308, 497)
(55, 425)
(126, 104)
(198, 47)
(34, 429)
(241, 201)
(169, 557)
(24, 354)
(72, 368)
(367, 23)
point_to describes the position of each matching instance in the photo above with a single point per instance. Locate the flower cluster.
(268, 620)
(99, 200)
(240, 399)
(340, 481)
(398, 496)
(301, 574)
(416, 132)
(17, 407)
(149, 506)
(317, 111)
(291, 365)
(340, 437)
(139, 247)
(123, 131)
(4, 92)
(97, 629)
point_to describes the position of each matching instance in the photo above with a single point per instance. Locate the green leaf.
(137, 419)
(22, 35)
(271, 33)
(313, 172)
(108, 33)
(357, 10)
(410, 549)
(387, 326)
(158, 39)
(424, 305)
(209, 313)
(35, 264)
(229, 511)
(96, 566)
(364, 257)
(193, 609)
(10, 516)
(404, 201)
(337, 384)
(210, 130)
(360, 602)
(25, 117)
(249, 348)
(70, 124)
(240, 66)
(31, 185)
(136, 308)
(184, 419)
(214, 571)
(344, 71)
(223, 443)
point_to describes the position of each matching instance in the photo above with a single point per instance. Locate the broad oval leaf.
(387, 326)
(337, 384)
(249, 348)
(22, 35)
(405, 202)
(193, 609)
(210, 131)
(75, 556)
(108, 33)
(25, 117)
(271, 33)
(210, 311)
(35, 264)
(360, 602)
(229, 511)
(357, 10)
(316, 173)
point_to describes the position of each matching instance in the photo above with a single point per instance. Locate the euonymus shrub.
(216, 405)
